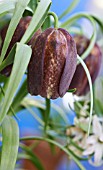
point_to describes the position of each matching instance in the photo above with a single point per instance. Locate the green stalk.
(91, 89)
(47, 113)
(55, 19)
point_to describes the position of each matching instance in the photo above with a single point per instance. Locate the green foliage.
(10, 145)
(19, 9)
(22, 57)
(7, 6)
(37, 20)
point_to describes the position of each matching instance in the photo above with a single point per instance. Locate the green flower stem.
(67, 151)
(93, 37)
(91, 89)
(69, 9)
(59, 110)
(55, 19)
(47, 113)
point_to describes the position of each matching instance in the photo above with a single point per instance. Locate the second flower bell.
(52, 64)
(93, 62)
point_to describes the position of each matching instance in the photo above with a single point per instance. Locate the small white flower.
(84, 109)
(94, 143)
(82, 123)
(79, 138)
(68, 101)
(76, 133)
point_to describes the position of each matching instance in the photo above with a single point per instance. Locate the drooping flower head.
(52, 64)
(93, 62)
(19, 32)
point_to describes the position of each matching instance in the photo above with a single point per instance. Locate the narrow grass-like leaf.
(7, 5)
(9, 59)
(33, 4)
(99, 22)
(73, 4)
(23, 156)
(3, 93)
(4, 86)
(37, 20)
(19, 9)
(47, 23)
(33, 103)
(91, 89)
(22, 92)
(33, 158)
(22, 58)
(10, 143)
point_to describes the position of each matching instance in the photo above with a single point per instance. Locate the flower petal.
(98, 154)
(70, 64)
(89, 150)
(92, 139)
(97, 128)
(101, 137)
(36, 65)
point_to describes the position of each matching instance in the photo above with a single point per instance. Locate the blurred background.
(27, 123)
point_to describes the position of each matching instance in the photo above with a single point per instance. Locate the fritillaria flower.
(52, 64)
(93, 62)
(94, 143)
(19, 32)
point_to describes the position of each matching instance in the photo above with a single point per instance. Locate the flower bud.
(19, 32)
(52, 64)
(93, 62)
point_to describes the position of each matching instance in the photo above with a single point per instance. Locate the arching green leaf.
(10, 143)
(22, 58)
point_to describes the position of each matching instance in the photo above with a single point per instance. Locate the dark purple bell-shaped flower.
(93, 62)
(52, 64)
(19, 32)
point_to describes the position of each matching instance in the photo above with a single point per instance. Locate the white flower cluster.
(94, 143)
(92, 146)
